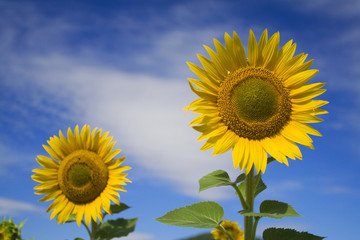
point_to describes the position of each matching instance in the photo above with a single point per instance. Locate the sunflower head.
(81, 175)
(9, 230)
(232, 228)
(255, 104)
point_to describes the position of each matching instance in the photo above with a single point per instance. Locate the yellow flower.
(81, 175)
(9, 230)
(232, 228)
(257, 105)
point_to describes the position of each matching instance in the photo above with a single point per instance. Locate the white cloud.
(136, 236)
(343, 8)
(10, 157)
(143, 112)
(338, 189)
(14, 207)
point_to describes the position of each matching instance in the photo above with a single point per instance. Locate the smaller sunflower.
(81, 175)
(9, 230)
(232, 228)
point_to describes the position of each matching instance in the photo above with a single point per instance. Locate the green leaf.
(114, 208)
(270, 159)
(273, 209)
(240, 178)
(115, 228)
(199, 215)
(21, 224)
(288, 234)
(78, 238)
(214, 179)
(70, 219)
(259, 188)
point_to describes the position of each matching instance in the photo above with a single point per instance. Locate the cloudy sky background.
(120, 66)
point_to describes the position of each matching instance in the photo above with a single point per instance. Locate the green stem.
(242, 200)
(249, 191)
(254, 227)
(221, 228)
(257, 180)
(87, 228)
(94, 228)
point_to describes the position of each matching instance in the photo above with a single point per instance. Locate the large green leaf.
(214, 179)
(199, 215)
(115, 228)
(288, 234)
(273, 209)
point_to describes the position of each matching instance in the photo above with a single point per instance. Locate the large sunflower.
(81, 175)
(257, 104)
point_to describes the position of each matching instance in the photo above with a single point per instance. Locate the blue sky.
(120, 66)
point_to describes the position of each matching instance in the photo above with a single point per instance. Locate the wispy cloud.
(344, 8)
(143, 112)
(337, 189)
(137, 236)
(141, 108)
(13, 207)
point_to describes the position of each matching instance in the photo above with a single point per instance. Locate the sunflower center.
(253, 103)
(79, 175)
(255, 100)
(82, 176)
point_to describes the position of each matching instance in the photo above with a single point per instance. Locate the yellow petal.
(239, 50)
(224, 56)
(217, 61)
(221, 129)
(210, 67)
(246, 155)
(270, 51)
(300, 78)
(47, 162)
(52, 153)
(205, 95)
(287, 147)
(293, 133)
(238, 152)
(210, 143)
(79, 214)
(305, 90)
(225, 143)
(252, 49)
(270, 147)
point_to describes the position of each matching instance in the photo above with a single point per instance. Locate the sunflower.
(257, 104)
(81, 175)
(232, 228)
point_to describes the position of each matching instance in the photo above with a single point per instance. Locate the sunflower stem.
(254, 228)
(94, 227)
(249, 192)
(241, 197)
(221, 228)
(87, 228)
